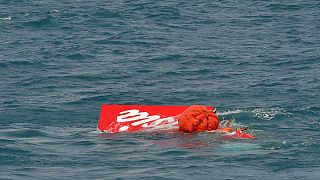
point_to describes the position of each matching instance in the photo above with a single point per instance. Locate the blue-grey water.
(257, 61)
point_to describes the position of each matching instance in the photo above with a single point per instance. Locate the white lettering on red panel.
(143, 118)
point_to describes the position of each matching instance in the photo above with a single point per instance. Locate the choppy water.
(257, 61)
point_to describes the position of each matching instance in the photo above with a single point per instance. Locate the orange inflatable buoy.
(198, 118)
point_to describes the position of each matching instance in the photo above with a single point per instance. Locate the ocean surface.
(256, 61)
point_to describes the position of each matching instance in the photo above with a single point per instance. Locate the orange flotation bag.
(198, 118)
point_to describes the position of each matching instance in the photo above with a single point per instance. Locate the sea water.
(256, 61)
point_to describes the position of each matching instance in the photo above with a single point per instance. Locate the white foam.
(54, 11)
(96, 132)
(229, 112)
(6, 18)
(268, 113)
